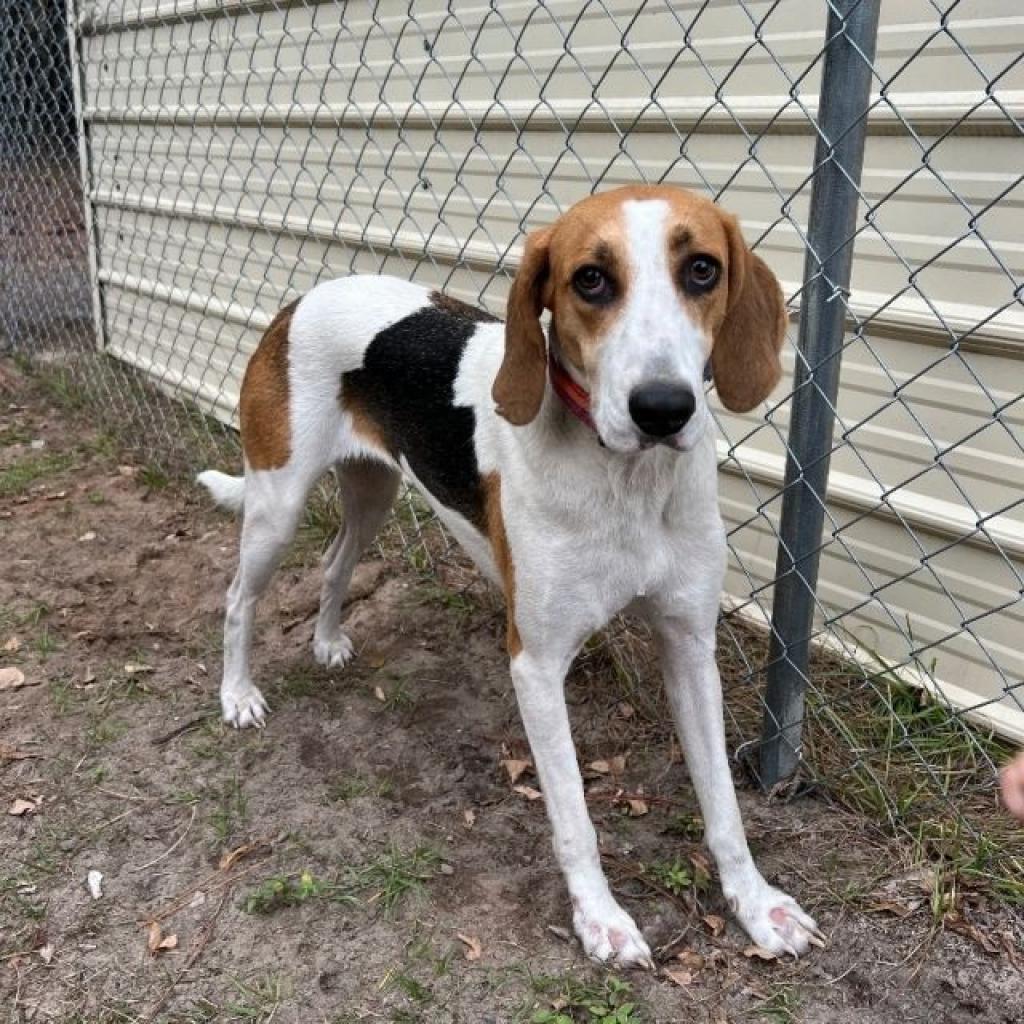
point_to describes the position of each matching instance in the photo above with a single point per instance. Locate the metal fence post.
(838, 159)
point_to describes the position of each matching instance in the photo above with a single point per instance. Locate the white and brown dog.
(576, 467)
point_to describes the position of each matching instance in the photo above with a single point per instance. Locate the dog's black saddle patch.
(406, 385)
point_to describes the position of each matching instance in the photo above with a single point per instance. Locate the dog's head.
(645, 284)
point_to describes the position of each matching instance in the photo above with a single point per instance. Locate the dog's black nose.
(660, 409)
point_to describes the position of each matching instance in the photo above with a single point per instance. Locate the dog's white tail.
(227, 491)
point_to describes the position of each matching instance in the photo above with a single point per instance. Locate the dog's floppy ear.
(745, 354)
(519, 386)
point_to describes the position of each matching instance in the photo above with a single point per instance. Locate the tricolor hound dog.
(575, 465)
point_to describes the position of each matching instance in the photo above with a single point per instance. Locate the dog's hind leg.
(368, 489)
(274, 500)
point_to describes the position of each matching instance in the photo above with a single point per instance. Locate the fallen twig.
(170, 849)
(192, 723)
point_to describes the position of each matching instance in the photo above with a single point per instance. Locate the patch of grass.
(151, 476)
(780, 1007)
(207, 742)
(685, 826)
(15, 433)
(398, 697)
(412, 987)
(202, 1011)
(45, 642)
(397, 874)
(459, 603)
(103, 730)
(62, 694)
(185, 797)
(37, 611)
(572, 1000)
(258, 1000)
(30, 470)
(21, 896)
(351, 787)
(230, 810)
(299, 682)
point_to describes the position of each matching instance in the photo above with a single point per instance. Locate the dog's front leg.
(606, 931)
(770, 917)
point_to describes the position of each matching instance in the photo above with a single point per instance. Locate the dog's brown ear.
(519, 386)
(745, 354)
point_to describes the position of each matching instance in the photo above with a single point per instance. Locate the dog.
(575, 464)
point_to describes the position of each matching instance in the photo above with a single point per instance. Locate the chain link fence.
(234, 153)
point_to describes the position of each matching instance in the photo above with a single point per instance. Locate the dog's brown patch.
(461, 309)
(502, 557)
(367, 429)
(264, 412)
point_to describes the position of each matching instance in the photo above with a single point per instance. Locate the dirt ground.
(368, 856)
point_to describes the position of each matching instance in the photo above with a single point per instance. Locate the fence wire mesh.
(233, 153)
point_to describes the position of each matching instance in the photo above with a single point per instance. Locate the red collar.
(574, 398)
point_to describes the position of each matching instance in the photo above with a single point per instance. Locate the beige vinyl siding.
(241, 152)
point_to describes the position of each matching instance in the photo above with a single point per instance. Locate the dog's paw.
(333, 653)
(244, 707)
(776, 923)
(609, 936)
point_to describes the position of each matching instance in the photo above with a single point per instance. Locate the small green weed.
(282, 891)
(673, 875)
(573, 1001)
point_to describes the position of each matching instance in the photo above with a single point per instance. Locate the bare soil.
(384, 867)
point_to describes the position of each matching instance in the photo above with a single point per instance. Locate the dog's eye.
(701, 274)
(592, 284)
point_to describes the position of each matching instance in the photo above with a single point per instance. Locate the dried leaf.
(601, 767)
(9, 753)
(11, 678)
(692, 960)
(22, 807)
(681, 977)
(956, 923)
(469, 817)
(528, 791)
(715, 923)
(379, 693)
(626, 710)
(760, 952)
(231, 857)
(95, 882)
(46, 952)
(132, 668)
(637, 807)
(701, 870)
(515, 767)
(474, 949)
(896, 907)
(157, 941)
(617, 764)
(88, 536)
(12, 645)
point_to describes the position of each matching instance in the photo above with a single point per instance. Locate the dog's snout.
(661, 409)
